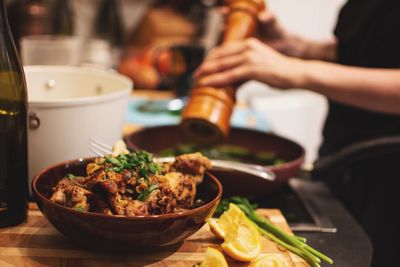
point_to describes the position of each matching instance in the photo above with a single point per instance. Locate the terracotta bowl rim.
(185, 213)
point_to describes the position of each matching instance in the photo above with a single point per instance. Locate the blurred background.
(158, 44)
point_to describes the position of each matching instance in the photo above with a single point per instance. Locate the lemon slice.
(242, 238)
(226, 222)
(216, 228)
(267, 260)
(214, 258)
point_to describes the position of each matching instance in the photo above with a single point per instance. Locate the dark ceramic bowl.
(109, 231)
(156, 139)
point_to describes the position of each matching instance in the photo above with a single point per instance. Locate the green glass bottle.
(13, 130)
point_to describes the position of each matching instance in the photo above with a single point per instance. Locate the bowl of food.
(128, 200)
(280, 155)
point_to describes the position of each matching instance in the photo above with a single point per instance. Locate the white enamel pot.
(67, 107)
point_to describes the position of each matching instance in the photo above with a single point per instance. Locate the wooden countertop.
(36, 243)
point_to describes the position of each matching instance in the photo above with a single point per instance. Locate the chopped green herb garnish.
(81, 209)
(70, 176)
(145, 193)
(112, 160)
(141, 161)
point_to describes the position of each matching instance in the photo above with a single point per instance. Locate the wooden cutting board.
(37, 243)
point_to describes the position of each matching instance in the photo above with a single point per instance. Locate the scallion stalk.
(293, 243)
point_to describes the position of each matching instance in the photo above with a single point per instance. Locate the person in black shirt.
(359, 72)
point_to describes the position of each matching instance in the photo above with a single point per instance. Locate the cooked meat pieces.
(194, 164)
(112, 186)
(59, 197)
(126, 206)
(82, 205)
(183, 188)
(65, 182)
(161, 200)
(175, 191)
(77, 194)
(100, 180)
(70, 192)
(136, 208)
(98, 205)
(117, 204)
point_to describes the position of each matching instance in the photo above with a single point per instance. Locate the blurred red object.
(152, 68)
(140, 69)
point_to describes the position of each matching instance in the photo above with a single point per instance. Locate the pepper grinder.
(206, 117)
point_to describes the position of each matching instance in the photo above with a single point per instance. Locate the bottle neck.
(2, 8)
(7, 45)
(3, 17)
(4, 27)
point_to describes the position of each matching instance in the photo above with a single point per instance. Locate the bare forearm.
(373, 89)
(296, 46)
(321, 50)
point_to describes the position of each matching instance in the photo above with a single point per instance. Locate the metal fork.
(100, 149)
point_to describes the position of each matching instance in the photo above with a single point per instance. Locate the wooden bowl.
(113, 231)
(156, 139)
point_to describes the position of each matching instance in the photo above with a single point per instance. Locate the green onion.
(292, 243)
(70, 176)
(79, 208)
(140, 161)
(145, 193)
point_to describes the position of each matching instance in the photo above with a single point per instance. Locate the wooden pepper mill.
(206, 117)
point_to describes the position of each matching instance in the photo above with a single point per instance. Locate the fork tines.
(99, 148)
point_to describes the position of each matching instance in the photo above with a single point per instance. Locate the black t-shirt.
(368, 34)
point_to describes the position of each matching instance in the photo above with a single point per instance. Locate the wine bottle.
(63, 24)
(13, 130)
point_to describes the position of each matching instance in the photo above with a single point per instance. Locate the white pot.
(69, 105)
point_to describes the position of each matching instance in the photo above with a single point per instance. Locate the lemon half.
(242, 240)
(267, 260)
(214, 258)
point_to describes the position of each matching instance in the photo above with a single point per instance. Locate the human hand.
(237, 62)
(271, 32)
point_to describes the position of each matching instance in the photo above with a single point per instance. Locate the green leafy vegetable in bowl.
(226, 152)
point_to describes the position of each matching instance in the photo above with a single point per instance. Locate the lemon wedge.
(242, 240)
(214, 258)
(216, 228)
(267, 260)
(227, 222)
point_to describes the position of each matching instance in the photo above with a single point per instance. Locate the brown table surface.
(36, 243)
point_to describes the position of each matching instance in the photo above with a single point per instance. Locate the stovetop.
(299, 208)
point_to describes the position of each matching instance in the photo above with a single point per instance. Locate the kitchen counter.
(350, 245)
(38, 244)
